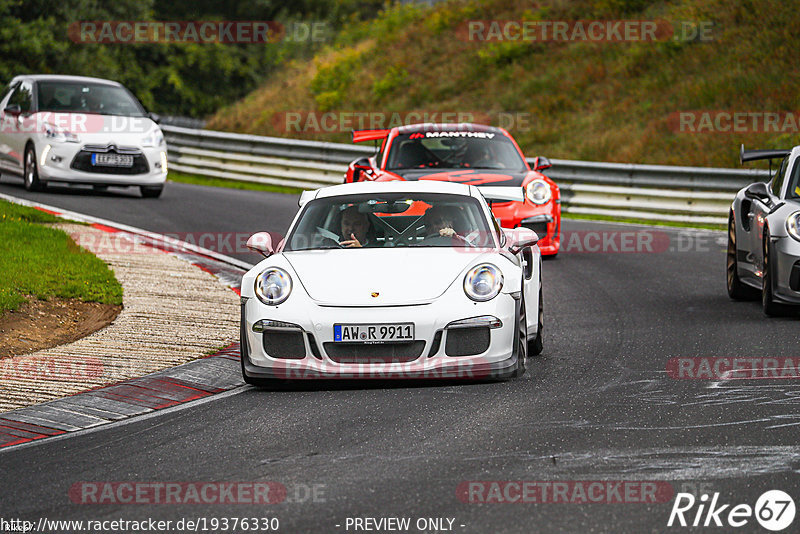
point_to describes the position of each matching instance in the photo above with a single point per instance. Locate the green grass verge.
(45, 262)
(647, 222)
(15, 212)
(233, 184)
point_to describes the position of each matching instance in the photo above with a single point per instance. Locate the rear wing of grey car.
(753, 155)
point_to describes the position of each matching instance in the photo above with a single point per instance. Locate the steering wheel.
(328, 242)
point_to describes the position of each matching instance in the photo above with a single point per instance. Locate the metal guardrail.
(651, 192)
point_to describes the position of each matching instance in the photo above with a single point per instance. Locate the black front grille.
(467, 341)
(539, 227)
(285, 345)
(83, 162)
(374, 353)
(794, 277)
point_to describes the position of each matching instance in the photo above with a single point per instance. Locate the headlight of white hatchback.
(59, 134)
(273, 286)
(154, 138)
(483, 282)
(793, 225)
(538, 191)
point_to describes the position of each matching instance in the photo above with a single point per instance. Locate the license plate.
(112, 160)
(373, 333)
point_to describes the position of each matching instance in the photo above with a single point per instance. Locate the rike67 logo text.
(774, 510)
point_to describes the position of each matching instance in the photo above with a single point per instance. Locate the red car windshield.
(454, 150)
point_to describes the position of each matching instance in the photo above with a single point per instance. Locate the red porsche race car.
(472, 154)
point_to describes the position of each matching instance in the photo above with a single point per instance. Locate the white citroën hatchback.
(79, 130)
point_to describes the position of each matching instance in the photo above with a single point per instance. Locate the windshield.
(464, 150)
(391, 220)
(72, 97)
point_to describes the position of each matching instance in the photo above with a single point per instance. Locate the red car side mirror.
(541, 163)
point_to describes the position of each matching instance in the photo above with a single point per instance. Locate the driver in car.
(439, 221)
(481, 156)
(355, 228)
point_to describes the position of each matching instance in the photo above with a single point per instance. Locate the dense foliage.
(603, 101)
(188, 79)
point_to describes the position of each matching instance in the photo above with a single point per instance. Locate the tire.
(151, 192)
(536, 346)
(31, 171)
(771, 308)
(737, 290)
(522, 342)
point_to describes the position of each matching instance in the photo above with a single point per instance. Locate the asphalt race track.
(598, 405)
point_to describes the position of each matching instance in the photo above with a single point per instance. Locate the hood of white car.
(94, 129)
(398, 275)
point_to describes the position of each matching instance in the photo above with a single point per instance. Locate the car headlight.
(793, 225)
(59, 135)
(483, 282)
(154, 138)
(273, 286)
(538, 191)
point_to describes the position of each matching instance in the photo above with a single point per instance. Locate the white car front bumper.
(68, 163)
(307, 350)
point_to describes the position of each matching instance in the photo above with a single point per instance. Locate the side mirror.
(261, 242)
(155, 117)
(519, 238)
(13, 109)
(758, 191)
(360, 165)
(541, 163)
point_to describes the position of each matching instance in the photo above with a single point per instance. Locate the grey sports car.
(764, 235)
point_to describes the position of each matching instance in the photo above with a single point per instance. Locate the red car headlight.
(538, 191)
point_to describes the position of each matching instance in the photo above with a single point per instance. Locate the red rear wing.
(359, 136)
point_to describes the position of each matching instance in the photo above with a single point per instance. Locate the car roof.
(64, 78)
(395, 186)
(448, 126)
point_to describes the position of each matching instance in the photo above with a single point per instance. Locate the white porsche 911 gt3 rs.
(393, 280)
